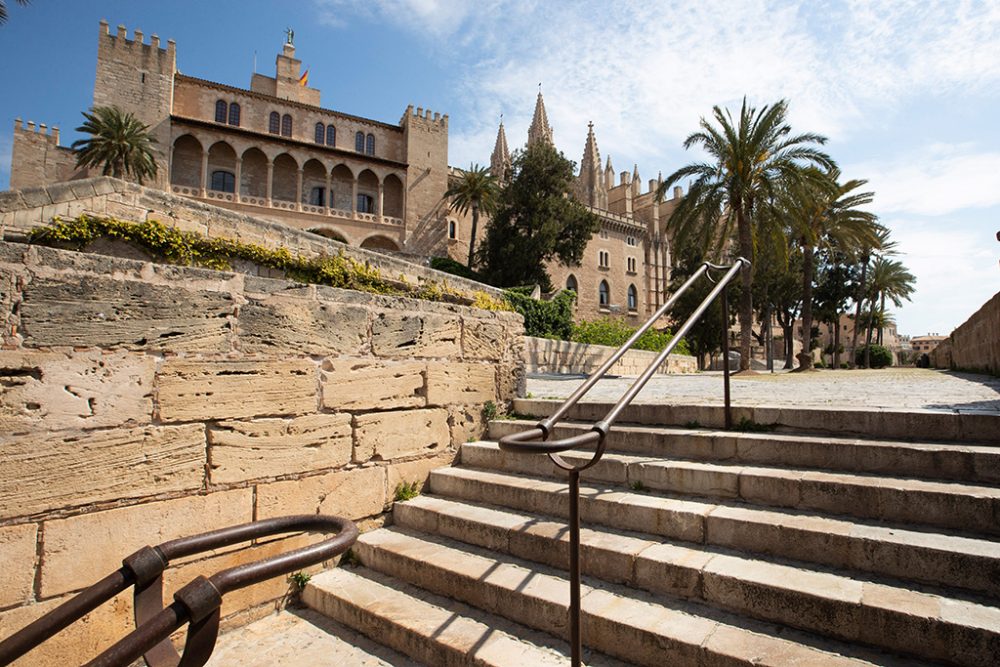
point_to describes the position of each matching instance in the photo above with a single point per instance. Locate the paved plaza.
(885, 388)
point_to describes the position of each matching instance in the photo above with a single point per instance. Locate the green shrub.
(880, 357)
(614, 332)
(844, 364)
(819, 364)
(544, 319)
(448, 265)
(406, 491)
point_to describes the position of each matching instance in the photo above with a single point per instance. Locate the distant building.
(925, 344)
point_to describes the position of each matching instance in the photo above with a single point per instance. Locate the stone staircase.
(871, 538)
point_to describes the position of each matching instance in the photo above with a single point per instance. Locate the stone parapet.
(140, 402)
(542, 355)
(975, 345)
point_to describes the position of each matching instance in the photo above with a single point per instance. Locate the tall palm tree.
(119, 144)
(3, 9)
(882, 246)
(475, 190)
(751, 159)
(890, 280)
(825, 213)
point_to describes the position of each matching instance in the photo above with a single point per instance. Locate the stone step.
(301, 637)
(628, 624)
(954, 425)
(977, 464)
(931, 558)
(886, 615)
(427, 627)
(951, 505)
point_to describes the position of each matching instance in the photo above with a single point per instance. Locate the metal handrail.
(536, 440)
(197, 603)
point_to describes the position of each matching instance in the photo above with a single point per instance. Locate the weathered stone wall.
(542, 355)
(23, 210)
(142, 402)
(975, 345)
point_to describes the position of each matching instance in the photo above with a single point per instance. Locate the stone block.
(36, 197)
(75, 469)
(416, 335)
(243, 450)
(455, 383)
(467, 424)
(357, 384)
(50, 391)
(202, 390)
(60, 192)
(101, 312)
(354, 494)
(418, 471)
(80, 550)
(304, 326)
(483, 339)
(17, 553)
(390, 435)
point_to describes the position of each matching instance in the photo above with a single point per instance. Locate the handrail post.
(575, 637)
(725, 355)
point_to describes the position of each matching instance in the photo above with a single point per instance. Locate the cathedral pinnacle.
(500, 160)
(540, 129)
(590, 185)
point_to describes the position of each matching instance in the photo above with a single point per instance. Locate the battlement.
(40, 131)
(424, 116)
(118, 46)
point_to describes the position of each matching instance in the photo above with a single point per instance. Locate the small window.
(223, 181)
(571, 283)
(603, 234)
(370, 144)
(359, 142)
(630, 240)
(603, 259)
(633, 298)
(630, 264)
(220, 111)
(331, 135)
(316, 196)
(234, 114)
(286, 125)
(320, 133)
(604, 294)
(273, 122)
(452, 229)
(366, 204)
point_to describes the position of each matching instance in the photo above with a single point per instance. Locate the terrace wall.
(542, 355)
(975, 345)
(141, 402)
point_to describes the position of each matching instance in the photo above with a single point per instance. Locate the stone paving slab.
(902, 388)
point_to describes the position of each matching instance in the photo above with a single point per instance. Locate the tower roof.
(591, 155)
(500, 160)
(540, 129)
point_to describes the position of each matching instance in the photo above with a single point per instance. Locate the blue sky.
(907, 92)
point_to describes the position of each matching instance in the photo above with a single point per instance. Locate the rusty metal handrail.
(536, 440)
(197, 603)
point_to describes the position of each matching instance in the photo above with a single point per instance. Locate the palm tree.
(890, 280)
(883, 246)
(825, 213)
(475, 189)
(3, 9)
(751, 160)
(119, 143)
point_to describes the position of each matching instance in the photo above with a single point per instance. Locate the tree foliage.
(3, 9)
(614, 332)
(119, 144)
(544, 319)
(537, 221)
(474, 190)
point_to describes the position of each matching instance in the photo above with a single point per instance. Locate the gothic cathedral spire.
(540, 129)
(500, 160)
(590, 185)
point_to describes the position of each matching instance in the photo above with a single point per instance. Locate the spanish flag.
(304, 79)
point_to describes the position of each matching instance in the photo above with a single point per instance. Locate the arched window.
(273, 121)
(331, 135)
(452, 229)
(370, 145)
(604, 294)
(223, 181)
(366, 204)
(359, 142)
(571, 283)
(316, 196)
(286, 125)
(234, 114)
(220, 111)
(633, 298)
(320, 133)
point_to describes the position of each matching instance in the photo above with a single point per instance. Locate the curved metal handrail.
(197, 603)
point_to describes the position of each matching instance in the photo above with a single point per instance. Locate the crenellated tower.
(500, 164)
(590, 184)
(425, 137)
(540, 129)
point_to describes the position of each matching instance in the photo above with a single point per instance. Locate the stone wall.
(542, 355)
(23, 210)
(142, 402)
(975, 345)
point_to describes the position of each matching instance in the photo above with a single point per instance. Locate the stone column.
(354, 198)
(204, 174)
(239, 179)
(378, 211)
(270, 180)
(298, 189)
(328, 199)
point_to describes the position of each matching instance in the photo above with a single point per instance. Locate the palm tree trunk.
(746, 298)
(805, 357)
(472, 237)
(852, 362)
(836, 340)
(881, 319)
(868, 336)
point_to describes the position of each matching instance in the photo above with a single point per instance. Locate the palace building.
(272, 151)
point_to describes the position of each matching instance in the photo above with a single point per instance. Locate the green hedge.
(879, 358)
(614, 332)
(544, 319)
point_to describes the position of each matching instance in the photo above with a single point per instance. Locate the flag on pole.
(304, 79)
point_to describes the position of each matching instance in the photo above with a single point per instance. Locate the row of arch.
(373, 242)
(604, 293)
(254, 174)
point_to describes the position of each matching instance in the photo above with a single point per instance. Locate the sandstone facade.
(143, 402)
